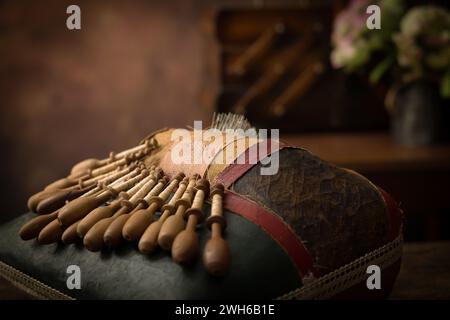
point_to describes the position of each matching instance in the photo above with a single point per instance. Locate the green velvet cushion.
(259, 268)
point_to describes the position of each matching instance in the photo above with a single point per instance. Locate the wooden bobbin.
(80, 207)
(35, 199)
(100, 212)
(109, 210)
(114, 234)
(87, 164)
(51, 233)
(70, 235)
(32, 228)
(110, 182)
(146, 144)
(73, 180)
(82, 182)
(95, 216)
(117, 177)
(141, 219)
(93, 167)
(94, 238)
(186, 245)
(141, 188)
(175, 223)
(127, 159)
(149, 239)
(61, 184)
(111, 176)
(216, 255)
(59, 199)
(216, 207)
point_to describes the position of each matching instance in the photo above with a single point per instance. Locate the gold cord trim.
(348, 275)
(30, 285)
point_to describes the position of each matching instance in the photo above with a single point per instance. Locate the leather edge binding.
(240, 165)
(276, 228)
(394, 214)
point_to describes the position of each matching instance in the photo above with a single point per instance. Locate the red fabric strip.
(394, 215)
(242, 163)
(275, 227)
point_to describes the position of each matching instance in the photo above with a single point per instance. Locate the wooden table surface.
(425, 274)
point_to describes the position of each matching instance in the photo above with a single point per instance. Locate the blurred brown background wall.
(134, 67)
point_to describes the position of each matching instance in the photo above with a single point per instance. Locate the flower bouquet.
(410, 52)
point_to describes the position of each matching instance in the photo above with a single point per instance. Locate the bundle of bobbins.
(310, 228)
(117, 199)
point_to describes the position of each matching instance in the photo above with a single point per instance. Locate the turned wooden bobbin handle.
(92, 163)
(96, 215)
(80, 207)
(147, 199)
(59, 198)
(118, 178)
(116, 189)
(176, 223)
(87, 164)
(149, 239)
(177, 195)
(108, 176)
(32, 228)
(132, 199)
(188, 195)
(165, 194)
(113, 234)
(70, 235)
(108, 167)
(61, 184)
(126, 160)
(185, 246)
(94, 238)
(37, 198)
(51, 233)
(101, 212)
(140, 189)
(145, 202)
(216, 207)
(216, 255)
(141, 219)
(201, 192)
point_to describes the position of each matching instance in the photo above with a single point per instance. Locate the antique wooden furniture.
(269, 60)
